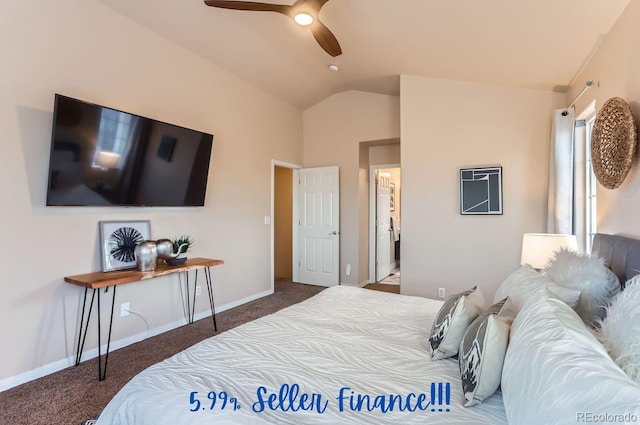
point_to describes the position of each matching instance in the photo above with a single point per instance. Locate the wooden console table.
(106, 280)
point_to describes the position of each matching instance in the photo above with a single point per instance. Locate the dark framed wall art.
(118, 240)
(167, 145)
(481, 191)
(392, 197)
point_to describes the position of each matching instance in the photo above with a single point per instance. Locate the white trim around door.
(372, 217)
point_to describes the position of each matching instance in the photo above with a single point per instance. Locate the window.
(584, 200)
(590, 188)
(114, 136)
(572, 199)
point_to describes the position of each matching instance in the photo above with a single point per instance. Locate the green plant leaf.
(181, 240)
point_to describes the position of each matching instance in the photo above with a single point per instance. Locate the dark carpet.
(395, 289)
(74, 395)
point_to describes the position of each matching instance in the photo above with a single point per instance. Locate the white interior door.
(383, 227)
(317, 215)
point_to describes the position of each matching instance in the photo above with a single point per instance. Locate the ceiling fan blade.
(250, 5)
(326, 39)
(320, 32)
(313, 4)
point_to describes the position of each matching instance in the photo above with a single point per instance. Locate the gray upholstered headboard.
(621, 254)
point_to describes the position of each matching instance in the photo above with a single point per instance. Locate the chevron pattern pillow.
(482, 352)
(452, 320)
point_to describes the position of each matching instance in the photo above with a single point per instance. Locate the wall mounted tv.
(104, 157)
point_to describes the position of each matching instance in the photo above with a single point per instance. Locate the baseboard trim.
(356, 285)
(56, 366)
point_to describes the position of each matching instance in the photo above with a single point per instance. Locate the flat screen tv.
(104, 157)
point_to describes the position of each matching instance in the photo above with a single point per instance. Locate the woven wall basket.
(613, 143)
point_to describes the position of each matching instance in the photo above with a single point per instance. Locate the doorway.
(385, 226)
(283, 223)
(305, 225)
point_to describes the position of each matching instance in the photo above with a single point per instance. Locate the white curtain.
(560, 204)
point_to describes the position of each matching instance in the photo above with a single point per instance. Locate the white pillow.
(453, 318)
(620, 329)
(590, 276)
(526, 283)
(556, 371)
(482, 352)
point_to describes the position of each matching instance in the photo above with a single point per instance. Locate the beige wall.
(385, 154)
(333, 130)
(108, 59)
(447, 125)
(283, 222)
(363, 215)
(616, 67)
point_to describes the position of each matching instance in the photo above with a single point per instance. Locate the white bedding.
(371, 342)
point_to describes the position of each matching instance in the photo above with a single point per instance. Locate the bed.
(351, 356)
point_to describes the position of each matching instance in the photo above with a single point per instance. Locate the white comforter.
(334, 347)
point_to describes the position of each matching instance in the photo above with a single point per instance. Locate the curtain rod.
(587, 86)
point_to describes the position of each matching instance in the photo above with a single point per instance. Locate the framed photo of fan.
(118, 240)
(392, 197)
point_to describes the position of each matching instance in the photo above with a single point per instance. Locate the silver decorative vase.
(165, 251)
(165, 248)
(146, 256)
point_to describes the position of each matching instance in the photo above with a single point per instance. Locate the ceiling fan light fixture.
(303, 19)
(333, 67)
(303, 12)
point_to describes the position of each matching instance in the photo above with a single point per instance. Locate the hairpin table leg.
(102, 373)
(207, 275)
(82, 333)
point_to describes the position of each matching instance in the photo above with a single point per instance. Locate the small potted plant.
(181, 245)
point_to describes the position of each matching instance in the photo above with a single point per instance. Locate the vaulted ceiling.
(537, 44)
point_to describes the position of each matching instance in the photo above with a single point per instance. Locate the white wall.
(82, 49)
(447, 125)
(616, 69)
(333, 131)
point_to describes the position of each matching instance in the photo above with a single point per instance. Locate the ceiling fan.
(303, 12)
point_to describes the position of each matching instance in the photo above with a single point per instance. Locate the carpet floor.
(74, 395)
(393, 288)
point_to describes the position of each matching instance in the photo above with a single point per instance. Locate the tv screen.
(104, 157)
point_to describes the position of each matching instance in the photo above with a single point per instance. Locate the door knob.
(333, 233)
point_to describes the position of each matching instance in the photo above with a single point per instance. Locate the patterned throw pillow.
(482, 352)
(452, 320)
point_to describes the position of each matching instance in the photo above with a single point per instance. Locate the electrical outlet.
(441, 293)
(348, 270)
(198, 290)
(124, 309)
